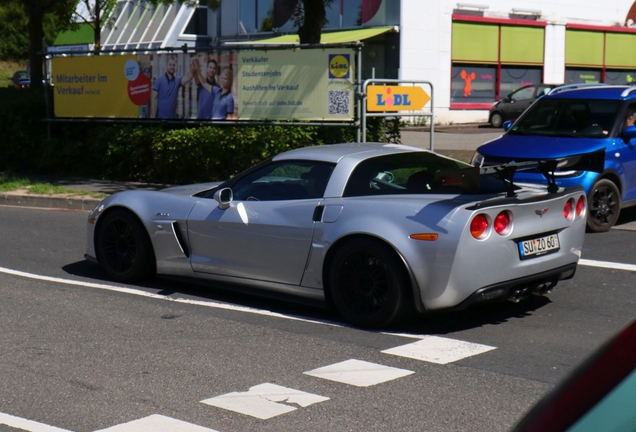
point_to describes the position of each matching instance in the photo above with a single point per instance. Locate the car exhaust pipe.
(543, 289)
(515, 296)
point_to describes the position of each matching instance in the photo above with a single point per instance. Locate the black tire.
(496, 120)
(123, 248)
(368, 284)
(604, 206)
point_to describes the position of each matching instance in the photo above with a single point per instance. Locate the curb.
(49, 202)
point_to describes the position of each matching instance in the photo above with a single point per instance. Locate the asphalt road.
(80, 353)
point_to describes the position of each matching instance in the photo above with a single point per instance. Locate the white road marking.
(141, 293)
(439, 350)
(27, 425)
(359, 373)
(607, 264)
(156, 423)
(261, 401)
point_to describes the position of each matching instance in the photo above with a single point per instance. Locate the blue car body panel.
(546, 131)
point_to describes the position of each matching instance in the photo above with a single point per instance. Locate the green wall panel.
(522, 44)
(620, 50)
(584, 48)
(475, 42)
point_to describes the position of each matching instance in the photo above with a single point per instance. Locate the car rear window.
(404, 173)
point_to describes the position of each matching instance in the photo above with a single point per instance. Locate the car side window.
(523, 94)
(284, 180)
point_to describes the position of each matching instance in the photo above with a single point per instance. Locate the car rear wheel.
(604, 202)
(496, 120)
(123, 248)
(368, 284)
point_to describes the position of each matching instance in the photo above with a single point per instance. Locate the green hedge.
(147, 153)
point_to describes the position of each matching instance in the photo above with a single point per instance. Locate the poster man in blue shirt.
(207, 88)
(166, 90)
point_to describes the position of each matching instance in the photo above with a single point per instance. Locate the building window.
(493, 57)
(473, 84)
(198, 24)
(256, 16)
(598, 55)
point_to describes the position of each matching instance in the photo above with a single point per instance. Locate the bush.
(150, 153)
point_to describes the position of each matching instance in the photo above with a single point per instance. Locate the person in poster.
(166, 90)
(224, 104)
(207, 88)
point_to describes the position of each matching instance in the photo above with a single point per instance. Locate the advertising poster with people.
(214, 85)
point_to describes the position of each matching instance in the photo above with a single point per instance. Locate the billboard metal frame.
(355, 123)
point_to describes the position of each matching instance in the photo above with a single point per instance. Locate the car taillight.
(568, 210)
(479, 226)
(502, 223)
(580, 207)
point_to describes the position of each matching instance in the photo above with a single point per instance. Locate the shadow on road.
(437, 323)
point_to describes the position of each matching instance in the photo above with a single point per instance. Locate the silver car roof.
(336, 152)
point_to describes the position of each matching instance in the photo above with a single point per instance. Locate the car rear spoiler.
(468, 179)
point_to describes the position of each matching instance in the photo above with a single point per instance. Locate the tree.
(310, 16)
(14, 36)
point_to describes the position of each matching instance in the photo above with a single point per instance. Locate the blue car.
(574, 121)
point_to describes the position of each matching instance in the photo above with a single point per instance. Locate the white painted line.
(261, 401)
(439, 350)
(27, 425)
(157, 423)
(141, 293)
(607, 264)
(359, 373)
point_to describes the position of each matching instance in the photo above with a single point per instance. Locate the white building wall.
(425, 40)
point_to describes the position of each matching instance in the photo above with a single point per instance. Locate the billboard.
(215, 85)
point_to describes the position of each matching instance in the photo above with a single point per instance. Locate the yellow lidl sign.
(396, 98)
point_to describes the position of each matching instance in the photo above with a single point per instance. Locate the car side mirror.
(507, 124)
(629, 133)
(224, 198)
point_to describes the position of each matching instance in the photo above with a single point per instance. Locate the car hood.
(190, 189)
(520, 147)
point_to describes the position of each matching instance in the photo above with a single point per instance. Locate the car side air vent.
(178, 235)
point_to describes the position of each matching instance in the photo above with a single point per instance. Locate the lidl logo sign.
(339, 66)
(396, 98)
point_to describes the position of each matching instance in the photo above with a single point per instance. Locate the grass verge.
(11, 184)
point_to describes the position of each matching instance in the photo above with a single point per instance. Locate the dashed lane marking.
(359, 373)
(262, 401)
(27, 425)
(439, 350)
(157, 423)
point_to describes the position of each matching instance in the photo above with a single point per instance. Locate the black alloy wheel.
(123, 248)
(496, 120)
(368, 284)
(604, 206)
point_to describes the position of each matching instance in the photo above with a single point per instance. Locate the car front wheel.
(368, 284)
(123, 248)
(496, 120)
(604, 205)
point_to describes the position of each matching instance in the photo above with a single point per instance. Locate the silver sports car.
(375, 230)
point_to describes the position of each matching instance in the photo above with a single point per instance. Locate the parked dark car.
(570, 121)
(20, 79)
(511, 107)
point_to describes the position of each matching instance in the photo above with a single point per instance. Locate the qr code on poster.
(339, 101)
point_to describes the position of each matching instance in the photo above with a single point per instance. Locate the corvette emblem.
(541, 212)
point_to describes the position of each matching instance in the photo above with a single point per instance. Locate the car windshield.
(415, 173)
(581, 118)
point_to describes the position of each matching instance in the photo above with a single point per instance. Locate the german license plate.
(539, 246)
